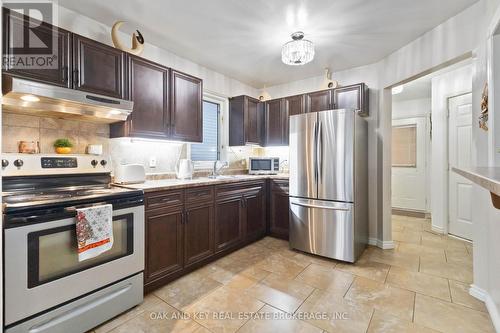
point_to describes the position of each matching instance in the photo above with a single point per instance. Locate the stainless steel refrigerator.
(329, 184)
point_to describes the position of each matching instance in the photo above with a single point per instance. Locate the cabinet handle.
(75, 77)
(186, 219)
(64, 74)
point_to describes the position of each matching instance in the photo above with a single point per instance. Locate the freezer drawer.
(323, 228)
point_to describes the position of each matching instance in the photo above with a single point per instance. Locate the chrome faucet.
(217, 169)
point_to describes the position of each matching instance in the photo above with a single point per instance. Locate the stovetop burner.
(41, 197)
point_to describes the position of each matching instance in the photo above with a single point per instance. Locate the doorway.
(431, 134)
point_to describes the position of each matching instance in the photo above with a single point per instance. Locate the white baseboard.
(477, 292)
(484, 296)
(387, 245)
(437, 229)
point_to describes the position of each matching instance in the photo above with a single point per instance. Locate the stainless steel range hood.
(26, 96)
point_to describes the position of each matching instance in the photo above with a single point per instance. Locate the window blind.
(209, 149)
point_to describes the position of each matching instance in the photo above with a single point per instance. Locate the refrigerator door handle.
(319, 206)
(319, 145)
(315, 157)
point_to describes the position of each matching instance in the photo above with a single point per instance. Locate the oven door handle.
(68, 315)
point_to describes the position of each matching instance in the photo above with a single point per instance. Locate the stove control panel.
(59, 162)
(37, 164)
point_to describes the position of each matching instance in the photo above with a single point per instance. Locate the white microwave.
(264, 165)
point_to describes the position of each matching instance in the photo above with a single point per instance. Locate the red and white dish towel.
(94, 231)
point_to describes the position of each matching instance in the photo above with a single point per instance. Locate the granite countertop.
(489, 178)
(171, 184)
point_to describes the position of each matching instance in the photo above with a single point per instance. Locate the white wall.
(411, 108)
(421, 109)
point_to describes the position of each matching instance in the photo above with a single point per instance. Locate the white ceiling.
(243, 38)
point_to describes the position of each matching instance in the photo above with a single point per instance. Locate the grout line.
(449, 289)
(414, 305)
(305, 299)
(350, 286)
(387, 275)
(371, 318)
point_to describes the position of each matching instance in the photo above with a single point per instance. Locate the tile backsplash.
(20, 127)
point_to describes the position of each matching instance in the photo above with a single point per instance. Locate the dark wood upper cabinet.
(279, 209)
(352, 97)
(98, 68)
(246, 121)
(186, 107)
(163, 244)
(58, 74)
(293, 105)
(319, 101)
(275, 115)
(148, 88)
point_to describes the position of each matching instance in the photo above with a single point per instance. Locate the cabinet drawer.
(165, 199)
(200, 194)
(223, 191)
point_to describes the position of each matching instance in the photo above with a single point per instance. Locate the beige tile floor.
(420, 286)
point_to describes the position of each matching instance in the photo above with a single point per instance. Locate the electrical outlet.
(152, 162)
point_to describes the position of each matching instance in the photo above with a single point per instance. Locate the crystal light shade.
(299, 51)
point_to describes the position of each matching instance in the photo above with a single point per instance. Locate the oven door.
(42, 269)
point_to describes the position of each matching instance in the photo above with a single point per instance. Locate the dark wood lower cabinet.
(279, 209)
(164, 243)
(185, 229)
(198, 233)
(255, 214)
(228, 228)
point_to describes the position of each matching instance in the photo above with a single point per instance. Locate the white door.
(460, 189)
(409, 182)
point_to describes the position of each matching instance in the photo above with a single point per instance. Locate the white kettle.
(184, 169)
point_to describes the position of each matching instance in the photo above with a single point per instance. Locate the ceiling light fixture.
(398, 90)
(298, 51)
(30, 98)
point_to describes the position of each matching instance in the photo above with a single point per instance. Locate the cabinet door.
(163, 244)
(148, 86)
(186, 114)
(274, 123)
(198, 233)
(279, 224)
(228, 226)
(252, 122)
(319, 101)
(352, 97)
(98, 68)
(13, 34)
(293, 105)
(255, 214)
